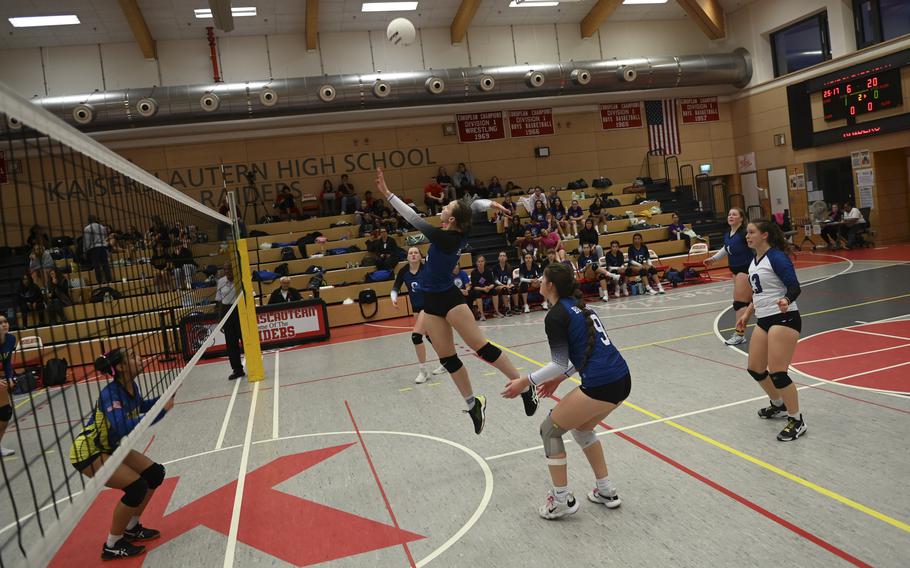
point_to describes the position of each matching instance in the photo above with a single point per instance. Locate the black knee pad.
(489, 352)
(430, 341)
(153, 475)
(416, 338)
(6, 413)
(737, 305)
(758, 376)
(135, 492)
(451, 363)
(781, 379)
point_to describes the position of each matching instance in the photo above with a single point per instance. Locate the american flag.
(663, 132)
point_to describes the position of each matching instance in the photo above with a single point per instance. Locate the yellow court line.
(30, 396)
(772, 468)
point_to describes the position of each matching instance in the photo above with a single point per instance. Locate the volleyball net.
(95, 254)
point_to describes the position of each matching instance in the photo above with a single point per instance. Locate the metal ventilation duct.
(187, 104)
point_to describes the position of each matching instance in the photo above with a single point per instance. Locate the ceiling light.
(388, 6)
(529, 4)
(239, 12)
(38, 21)
(644, 1)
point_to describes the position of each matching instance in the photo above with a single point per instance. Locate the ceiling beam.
(312, 24)
(463, 19)
(140, 29)
(597, 15)
(708, 14)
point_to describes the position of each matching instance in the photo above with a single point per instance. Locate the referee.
(225, 295)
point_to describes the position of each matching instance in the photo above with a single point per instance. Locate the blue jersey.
(738, 252)
(567, 332)
(7, 348)
(412, 281)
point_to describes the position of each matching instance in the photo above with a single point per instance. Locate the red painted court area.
(875, 356)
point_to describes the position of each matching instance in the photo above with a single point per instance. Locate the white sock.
(422, 368)
(112, 539)
(777, 402)
(561, 493)
(470, 400)
(604, 486)
(797, 416)
(133, 522)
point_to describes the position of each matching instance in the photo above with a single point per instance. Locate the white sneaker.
(556, 509)
(6, 452)
(483, 317)
(624, 290)
(527, 309)
(545, 306)
(422, 377)
(616, 293)
(606, 296)
(660, 290)
(736, 339)
(651, 291)
(440, 370)
(610, 501)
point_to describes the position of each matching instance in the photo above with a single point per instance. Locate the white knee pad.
(551, 434)
(584, 438)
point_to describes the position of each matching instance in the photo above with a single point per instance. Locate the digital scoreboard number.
(870, 93)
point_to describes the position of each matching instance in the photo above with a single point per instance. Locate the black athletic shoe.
(478, 413)
(123, 549)
(236, 375)
(139, 533)
(530, 400)
(773, 411)
(793, 430)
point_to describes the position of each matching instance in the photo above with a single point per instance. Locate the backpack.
(674, 277)
(414, 240)
(100, 294)
(254, 233)
(367, 297)
(379, 275)
(287, 253)
(602, 182)
(25, 383)
(282, 269)
(264, 276)
(55, 372)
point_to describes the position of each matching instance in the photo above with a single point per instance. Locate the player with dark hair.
(578, 342)
(119, 409)
(774, 292)
(739, 255)
(445, 305)
(409, 275)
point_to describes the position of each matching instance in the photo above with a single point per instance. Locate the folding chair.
(695, 250)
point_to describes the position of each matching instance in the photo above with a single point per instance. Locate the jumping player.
(578, 342)
(739, 254)
(120, 408)
(410, 276)
(774, 292)
(445, 306)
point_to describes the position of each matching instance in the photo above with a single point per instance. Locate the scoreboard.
(862, 95)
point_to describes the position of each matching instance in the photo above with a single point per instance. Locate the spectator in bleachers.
(40, 265)
(597, 214)
(94, 242)
(161, 262)
(386, 250)
(588, 235)
(480, 190)
(552, 196)
(614, 261)
(37, 235)
(589, 269)
(461, 280)
(550, 223)
(31, 300)
(575, 215)
(539, 216)
(512, 216)
(527, 244)
(434, 196)
(529, 273)
(639, 263)
(513, 189)
(529, 202)
(445, 180)
(463, 180)
(854, 223)
(383, 216)
(7, 348)
(559, 213)
(495, 188)
(284, 293)
(831, 230)
(328, 199)
(350, 202)
(184, 266)
(505, 285)
(550, 241)
(678, 231)
(58, 297)
(483, 283)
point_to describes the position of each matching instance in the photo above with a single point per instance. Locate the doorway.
(834, 178)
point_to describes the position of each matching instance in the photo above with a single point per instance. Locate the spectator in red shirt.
(434, 196)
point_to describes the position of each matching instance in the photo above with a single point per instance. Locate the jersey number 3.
(600, 330)
(756, 284)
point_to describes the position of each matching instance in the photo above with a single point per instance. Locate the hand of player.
(395, 303)
(709, 261)
(381, 185)
(500, 206)
(741, 323)
(783, 304)
(514, 387)
(546, 390)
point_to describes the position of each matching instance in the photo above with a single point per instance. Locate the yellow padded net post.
(246, 309)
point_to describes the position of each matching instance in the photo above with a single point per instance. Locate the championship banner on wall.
(699, 110)
(614, 116)
(480, 126)
(280, 325)
(531, 122)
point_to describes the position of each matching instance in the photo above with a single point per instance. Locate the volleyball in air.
(401, 32)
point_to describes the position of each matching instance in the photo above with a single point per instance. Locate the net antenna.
(115, 254)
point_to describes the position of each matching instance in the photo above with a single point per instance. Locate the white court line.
(873, 371)
(851, 330)
(861, 353)
(227, 415)
(241, 481)
(276, 388)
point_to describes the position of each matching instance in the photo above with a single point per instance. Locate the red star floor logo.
(295, 530)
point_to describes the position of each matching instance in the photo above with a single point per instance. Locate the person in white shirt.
(94, 243)
(225, 294)
(854, 223)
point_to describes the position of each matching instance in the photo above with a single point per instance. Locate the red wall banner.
(531, 122)
(699, 110)
(479, 126)
(620, 115)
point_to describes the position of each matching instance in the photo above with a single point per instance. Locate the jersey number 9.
(600, 330)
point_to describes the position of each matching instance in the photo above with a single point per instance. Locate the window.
(880, 20)
(801, 45)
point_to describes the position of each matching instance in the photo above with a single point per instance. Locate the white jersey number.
(600, 330)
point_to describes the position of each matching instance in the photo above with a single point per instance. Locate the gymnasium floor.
(348, 462)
